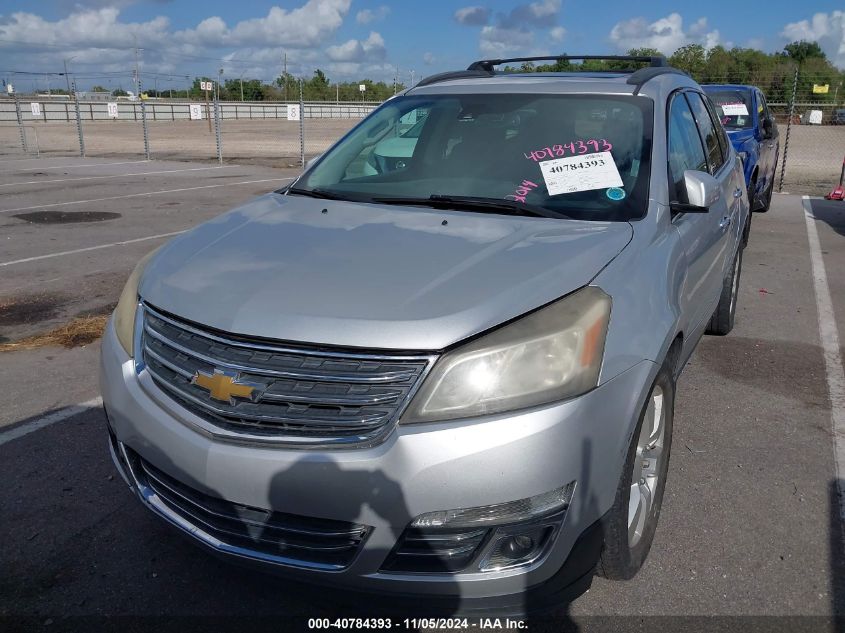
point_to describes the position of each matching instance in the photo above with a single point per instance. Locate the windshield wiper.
(476, 203)
(325, 194)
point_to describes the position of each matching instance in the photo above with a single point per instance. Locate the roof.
(483, 73)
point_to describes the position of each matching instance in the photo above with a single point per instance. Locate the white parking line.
(72, 166)
(145, 193)
(137, 173)
(47, 420)
(89, 248)
(832, 358)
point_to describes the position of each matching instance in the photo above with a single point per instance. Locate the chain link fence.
(810, 117)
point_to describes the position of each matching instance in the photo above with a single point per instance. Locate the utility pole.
(67, 77)
(137, 76)
(285, 76)
(412, 79)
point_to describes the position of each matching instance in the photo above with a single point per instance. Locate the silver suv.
(450, 374)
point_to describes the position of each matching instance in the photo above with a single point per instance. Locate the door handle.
(737, 193)
(725, 223)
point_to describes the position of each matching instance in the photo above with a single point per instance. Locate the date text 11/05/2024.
(414, 624)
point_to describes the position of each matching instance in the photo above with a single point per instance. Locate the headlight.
(549, 355)
(124, 313)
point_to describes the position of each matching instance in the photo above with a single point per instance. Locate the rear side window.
(685, 149)
(709, 133)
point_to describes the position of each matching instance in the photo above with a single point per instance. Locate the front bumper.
(418, 469)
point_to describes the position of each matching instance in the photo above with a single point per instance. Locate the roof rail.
(452, 75)
(656, 61)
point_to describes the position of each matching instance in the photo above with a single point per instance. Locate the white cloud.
(828, 29)
(92, 28)
(557, 34)
(429, 58)
(102, 39)
(472, 16)
(666, 34)
(357, 50)
(366, 16)
(541, 14)
(497, 42)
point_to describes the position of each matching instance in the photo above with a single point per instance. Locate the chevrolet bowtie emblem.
(224, 385)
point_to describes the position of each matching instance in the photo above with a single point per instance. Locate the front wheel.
(766, 201)
(630, 525)
(722, 321)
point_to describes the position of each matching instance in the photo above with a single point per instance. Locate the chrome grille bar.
(302, 395)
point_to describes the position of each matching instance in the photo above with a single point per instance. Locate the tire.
(752, 194)
(722, 321)
(629, 532)
(766, 202)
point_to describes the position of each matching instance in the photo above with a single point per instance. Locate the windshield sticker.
(523, 190)
(580, 173)
(615, 193)
(734, 109)
(575, 148)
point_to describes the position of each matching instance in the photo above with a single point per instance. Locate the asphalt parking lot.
(751, 523)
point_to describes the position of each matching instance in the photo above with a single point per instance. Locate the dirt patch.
(66, 217)
(31, 309)
(80, 331)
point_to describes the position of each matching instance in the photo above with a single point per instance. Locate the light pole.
(241, 78)
(67, 78)
(412, 79)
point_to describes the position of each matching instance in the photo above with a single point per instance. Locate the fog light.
(515, 546)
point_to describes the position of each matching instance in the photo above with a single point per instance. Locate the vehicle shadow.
(832, 212)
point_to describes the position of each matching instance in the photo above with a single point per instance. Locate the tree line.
(773, 73)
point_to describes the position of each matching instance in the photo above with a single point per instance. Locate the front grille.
(233, 527)
(302, 395)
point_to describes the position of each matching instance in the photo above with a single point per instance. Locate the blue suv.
(753, 133)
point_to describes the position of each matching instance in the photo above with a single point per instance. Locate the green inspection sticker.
(615, 193)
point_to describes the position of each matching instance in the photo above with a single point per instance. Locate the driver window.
(685, 149)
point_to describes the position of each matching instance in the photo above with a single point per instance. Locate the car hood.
(364, 275)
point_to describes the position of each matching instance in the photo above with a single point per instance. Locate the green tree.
(119, 92)
(692, 59)
(803, 50)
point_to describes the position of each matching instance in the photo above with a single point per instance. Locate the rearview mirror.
(703, 191)
(768, 128)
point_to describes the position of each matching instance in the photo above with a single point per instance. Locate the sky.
(354, 39)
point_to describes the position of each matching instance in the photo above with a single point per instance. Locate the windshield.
(733, 107)
(574, 156)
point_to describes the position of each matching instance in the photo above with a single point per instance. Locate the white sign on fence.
(36, 109)
(196, 111)
(112, 106)
(293, 113)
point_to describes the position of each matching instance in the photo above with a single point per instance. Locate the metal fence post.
(20, 122)
(144, 122)
(301, 127)
(78, 120)
(217, 128)
(788, 128)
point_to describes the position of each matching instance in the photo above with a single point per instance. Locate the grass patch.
(81, 331)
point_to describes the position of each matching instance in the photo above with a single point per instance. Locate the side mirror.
(310, 163)
(768, 128)
(703, 191)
